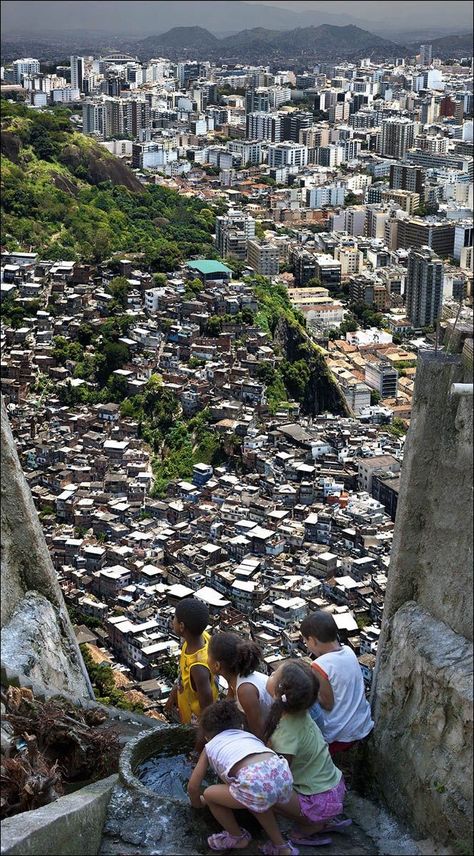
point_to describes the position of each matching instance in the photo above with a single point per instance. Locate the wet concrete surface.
(141, 825)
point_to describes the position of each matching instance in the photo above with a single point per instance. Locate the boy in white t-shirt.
(343, 713)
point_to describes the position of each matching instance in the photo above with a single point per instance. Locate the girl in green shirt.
(318, 785)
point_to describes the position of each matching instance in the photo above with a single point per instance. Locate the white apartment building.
(264, 126)
(328, 194)
(263, 257)
(77, 72)
(287, 154)
(382, 377)
(119, 148)
(250, 151)
(357, 395)
(26, 66)
(65, 95)
(94, 119)
(351, 259)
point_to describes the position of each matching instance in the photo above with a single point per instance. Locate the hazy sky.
(137, 17)
(443, 13)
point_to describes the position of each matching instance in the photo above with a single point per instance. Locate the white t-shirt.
(229, 747)
(259, 681)
(350, 718)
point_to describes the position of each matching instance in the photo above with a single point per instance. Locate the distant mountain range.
(455, 46)
(294, 48)
(264, 45)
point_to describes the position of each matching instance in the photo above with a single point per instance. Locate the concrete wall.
(421, 751)
(71, 825)
(37, 635)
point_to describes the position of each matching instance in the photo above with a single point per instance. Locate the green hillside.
(64, 195)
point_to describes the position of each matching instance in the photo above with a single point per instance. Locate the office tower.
(264, 126)
(426, 54)
(436, 234)
(137, 116)
(77, 72)
(462, 237)
(406, 177)
(26, 66)
(94, 119)
(257, 101)
(397, 137)
(186, 72)
(424, 287)
(294, 123)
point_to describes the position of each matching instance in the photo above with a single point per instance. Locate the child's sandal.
(226, 841)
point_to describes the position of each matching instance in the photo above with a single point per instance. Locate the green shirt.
(312, 766)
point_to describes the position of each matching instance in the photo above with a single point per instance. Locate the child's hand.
(195, 798)
(172, 700)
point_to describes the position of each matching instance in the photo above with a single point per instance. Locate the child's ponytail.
(296, 692)
(247, 658)
(276, 712)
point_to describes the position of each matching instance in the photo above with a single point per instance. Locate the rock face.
(30, 591)
(322, 391)
(33, 645)
(10, 146)
(98, 166)
(422, 694)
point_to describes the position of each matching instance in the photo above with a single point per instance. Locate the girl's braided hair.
(297, 690)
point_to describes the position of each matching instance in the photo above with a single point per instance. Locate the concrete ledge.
(68, 827)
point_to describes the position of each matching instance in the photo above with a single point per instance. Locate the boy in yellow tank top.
(196, 688)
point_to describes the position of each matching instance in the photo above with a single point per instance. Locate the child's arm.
(289, 758)
(195, 781)
(325, 695)
(201, 678)
(248, 697)
(172, 700)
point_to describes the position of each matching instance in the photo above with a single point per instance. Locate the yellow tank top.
(188, 701)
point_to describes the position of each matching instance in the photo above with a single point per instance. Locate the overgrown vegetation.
(54, 201)
(177, 442)
(304, 367)
(397, 427)
(103, 684)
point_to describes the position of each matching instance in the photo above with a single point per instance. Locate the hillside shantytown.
(215, 281)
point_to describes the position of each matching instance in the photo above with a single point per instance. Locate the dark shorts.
(338, 746)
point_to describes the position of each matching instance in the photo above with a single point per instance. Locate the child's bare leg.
(221, 802)
(268, 821)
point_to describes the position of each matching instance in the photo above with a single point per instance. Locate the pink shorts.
(324, 806)
(260, 786)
